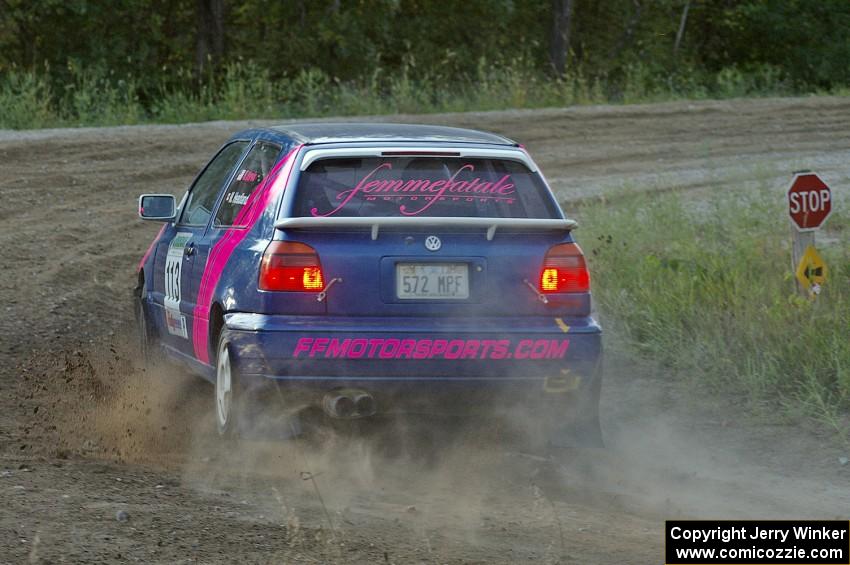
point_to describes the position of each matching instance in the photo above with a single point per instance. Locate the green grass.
(705, 288)
(95, 96)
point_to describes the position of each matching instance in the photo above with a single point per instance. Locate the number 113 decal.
(175, 321)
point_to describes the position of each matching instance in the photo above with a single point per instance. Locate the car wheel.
(584, 429)
(226, 385)
(147, 343)
(247, 412)
(588, 426)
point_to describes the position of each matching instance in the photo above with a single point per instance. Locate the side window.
(202, 195)
(250, 174)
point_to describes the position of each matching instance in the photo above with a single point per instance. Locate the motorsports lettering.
(392, 348)
(429, 190)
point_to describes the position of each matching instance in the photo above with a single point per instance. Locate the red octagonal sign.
(809, 201)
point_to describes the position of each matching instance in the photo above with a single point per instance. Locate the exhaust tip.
(343, 407)
(365, 405)
(348, 403)
(338, 405)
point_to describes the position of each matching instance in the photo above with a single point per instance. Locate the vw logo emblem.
(433, 243)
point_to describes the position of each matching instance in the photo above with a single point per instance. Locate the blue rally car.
(362, 269)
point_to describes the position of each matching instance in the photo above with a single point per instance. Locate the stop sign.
(809, 201)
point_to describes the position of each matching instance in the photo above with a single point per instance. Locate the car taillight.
(564, 270)
(291, 266)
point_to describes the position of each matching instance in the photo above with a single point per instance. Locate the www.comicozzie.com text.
(726, 535)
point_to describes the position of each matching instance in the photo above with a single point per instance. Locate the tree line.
(183, 44)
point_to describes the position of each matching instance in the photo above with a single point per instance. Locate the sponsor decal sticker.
(176, 323)
(392, 348)
(416, 195)
(238, 198)
(246, 175)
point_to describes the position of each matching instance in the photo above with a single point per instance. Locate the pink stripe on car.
(220, 253)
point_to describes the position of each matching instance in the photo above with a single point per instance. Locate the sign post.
(809, 205)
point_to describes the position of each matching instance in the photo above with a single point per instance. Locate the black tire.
(583, 429)
(147, 342)
(588, 428)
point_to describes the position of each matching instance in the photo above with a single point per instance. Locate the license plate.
(432, 281)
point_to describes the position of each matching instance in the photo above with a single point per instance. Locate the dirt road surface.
(100, 461)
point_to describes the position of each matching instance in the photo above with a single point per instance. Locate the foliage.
(99, 61)
(25, 101)
(245, 90)
(711, 295)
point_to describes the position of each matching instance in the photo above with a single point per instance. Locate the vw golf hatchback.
(364, 269)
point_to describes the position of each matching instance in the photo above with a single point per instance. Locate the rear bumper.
(314, 352)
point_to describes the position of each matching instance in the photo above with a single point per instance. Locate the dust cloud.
(461, 475)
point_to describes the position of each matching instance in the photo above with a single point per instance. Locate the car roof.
(342, 132)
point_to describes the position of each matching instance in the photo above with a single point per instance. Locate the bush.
(25, 101)
(95, 96)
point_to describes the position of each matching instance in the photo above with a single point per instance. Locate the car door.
(249, 175)
(178, 258)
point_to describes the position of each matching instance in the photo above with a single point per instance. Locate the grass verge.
(705, 288)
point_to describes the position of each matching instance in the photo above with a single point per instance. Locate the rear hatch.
(433, 235)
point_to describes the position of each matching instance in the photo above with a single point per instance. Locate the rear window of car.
(422, 186)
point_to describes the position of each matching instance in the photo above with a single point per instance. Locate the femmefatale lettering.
(432, 190)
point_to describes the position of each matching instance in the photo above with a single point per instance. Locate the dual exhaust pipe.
(347, 404)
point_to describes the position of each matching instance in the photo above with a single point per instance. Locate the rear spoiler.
(376, 223)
